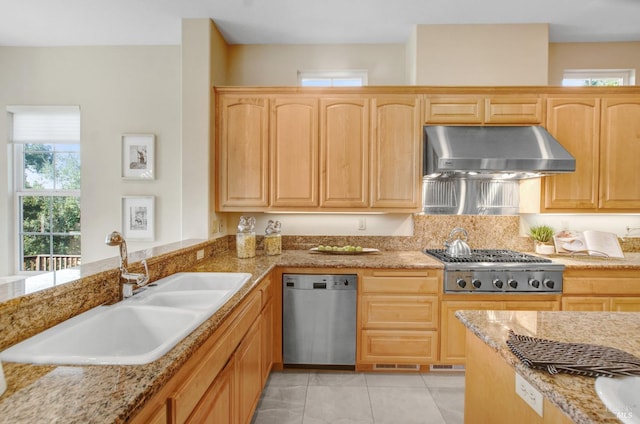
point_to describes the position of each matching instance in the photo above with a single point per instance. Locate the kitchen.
(183, 185)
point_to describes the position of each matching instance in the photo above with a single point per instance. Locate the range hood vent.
(505, 152)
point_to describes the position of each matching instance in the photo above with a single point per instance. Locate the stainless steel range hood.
(509, 152)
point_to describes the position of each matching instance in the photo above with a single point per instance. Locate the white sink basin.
(198, 300)
(137, 330)
(118, 334)
(620, 396)
(186, 281)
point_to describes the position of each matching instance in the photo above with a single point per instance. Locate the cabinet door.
(587, 304)
(465, 109)
(625, 304)
(267, 341)
(452, 331)
(396, 139)
(575, 122)
(294, 152)
(619, 154)
(344, 152)
(216, 406)
(513, 110)
(248, 374)
(243, 174)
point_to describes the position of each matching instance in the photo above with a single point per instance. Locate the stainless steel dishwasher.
(319, 319)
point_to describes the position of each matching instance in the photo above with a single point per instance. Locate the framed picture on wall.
(138, 156)
(138, 218)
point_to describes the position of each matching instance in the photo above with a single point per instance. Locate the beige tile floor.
(318, 397)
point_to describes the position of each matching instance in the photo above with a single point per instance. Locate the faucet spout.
(129, 281)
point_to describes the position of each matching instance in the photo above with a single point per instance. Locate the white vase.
(545, 249)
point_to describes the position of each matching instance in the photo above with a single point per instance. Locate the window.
(46, 145)
(353, 78)
(598, 77)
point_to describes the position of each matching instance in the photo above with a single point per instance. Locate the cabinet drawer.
(266, 290)
(398, 346)
(399, 285)
(399, 312)
(454, 110)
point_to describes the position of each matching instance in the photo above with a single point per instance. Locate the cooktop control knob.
(513, 283)
(534, 283)
(549, 283)
(498, 283)
(461, 283)
(476, 283)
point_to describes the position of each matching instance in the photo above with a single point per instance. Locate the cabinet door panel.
(248, 374)
(398, 346)
(587, 304)
(513, 110)
(242, 152)
(399, 312)
(454, 110)
(395, 157)
(216, 406)
(294, 152)
(344, 156)
(625, 304)
(619, 154)
(575, 122)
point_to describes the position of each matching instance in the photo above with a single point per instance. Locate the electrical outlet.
(362, 224)
(214, 226)
(200, 254)
(529, 394)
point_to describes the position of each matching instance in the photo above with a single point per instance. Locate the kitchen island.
(491, 366)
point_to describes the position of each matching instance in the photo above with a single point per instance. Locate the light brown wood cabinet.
(483, 109)
(601, 290)
(396, 151)
(242, 152)
(222, 381)
(344, 152)
(398, 317)
(490, 391)
(603, 134)
(294, 152)
(452, 331)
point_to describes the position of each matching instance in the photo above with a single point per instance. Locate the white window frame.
(333, 75)
(628, 76)
(18, 178)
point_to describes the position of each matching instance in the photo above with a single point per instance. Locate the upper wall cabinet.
(620, 154)
(575, 122)
(478, 110)
(318, 152)
(396, 146)
(294, 152)
(242, 152)
(344, 152)
(603, 134)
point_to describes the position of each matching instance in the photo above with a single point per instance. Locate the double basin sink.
(137, 330)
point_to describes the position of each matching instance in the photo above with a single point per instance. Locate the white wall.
(276, 65)
(482, 54)
(119, 90)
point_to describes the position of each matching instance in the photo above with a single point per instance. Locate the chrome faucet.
(129, 281)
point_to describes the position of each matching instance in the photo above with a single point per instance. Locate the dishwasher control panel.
(320, 282)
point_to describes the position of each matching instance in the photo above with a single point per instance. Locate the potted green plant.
(542, 236)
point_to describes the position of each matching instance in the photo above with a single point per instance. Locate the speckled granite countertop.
(114, 394)
(575, 395)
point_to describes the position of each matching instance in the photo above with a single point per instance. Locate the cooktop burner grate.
(488, 256)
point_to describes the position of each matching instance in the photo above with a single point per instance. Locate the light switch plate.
(200, 254)
(530, 395)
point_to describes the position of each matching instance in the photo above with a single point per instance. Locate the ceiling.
(158, 22)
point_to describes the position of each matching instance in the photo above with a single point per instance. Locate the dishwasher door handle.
(319, 285)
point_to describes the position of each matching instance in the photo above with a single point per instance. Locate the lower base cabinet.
(222, 381)
(452, 331)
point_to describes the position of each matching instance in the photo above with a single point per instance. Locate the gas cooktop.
(486, 255)
(501, 271)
